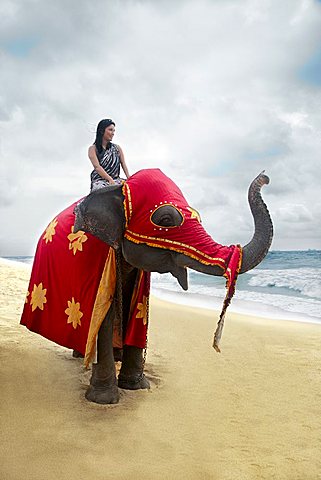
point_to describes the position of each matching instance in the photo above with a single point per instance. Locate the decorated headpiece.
(148, 190)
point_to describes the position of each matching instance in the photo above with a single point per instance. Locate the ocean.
(286, 285)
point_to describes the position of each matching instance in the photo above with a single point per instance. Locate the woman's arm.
(99, 169)
(122, 161)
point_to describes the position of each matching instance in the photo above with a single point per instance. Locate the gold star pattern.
(74, 313)
(142, 310)
(195, 214)
(38, 297)
(76, 240)
(50, 230)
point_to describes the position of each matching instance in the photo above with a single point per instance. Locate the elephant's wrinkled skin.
(102, 214)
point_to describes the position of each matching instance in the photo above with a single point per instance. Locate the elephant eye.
(167, 216)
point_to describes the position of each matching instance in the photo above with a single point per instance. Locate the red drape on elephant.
(189, 238)
(72, 285)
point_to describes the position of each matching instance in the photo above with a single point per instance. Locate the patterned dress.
(109, 160)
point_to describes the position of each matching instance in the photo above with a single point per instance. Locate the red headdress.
(148, 190)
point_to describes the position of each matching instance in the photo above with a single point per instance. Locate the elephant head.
(156, 229)
(151, 222)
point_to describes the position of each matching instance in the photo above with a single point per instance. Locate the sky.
(210, 91)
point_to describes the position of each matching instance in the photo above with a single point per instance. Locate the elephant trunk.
(257, 248)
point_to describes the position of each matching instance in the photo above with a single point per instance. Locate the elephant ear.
(101, 213)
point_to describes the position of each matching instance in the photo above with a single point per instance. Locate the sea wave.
(306, 281)
(288, 290)
(15, 262)
(19, 259)
(262, 304)
(288, 303)
(266, 290)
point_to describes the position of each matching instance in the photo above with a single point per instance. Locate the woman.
(106, 157)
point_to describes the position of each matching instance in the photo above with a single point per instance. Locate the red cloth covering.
(139, 312)
(144, 193)
(149, 189)
(72, 285)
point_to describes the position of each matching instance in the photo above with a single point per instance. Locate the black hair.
(102, 125)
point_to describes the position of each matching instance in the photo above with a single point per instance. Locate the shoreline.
(237, 306)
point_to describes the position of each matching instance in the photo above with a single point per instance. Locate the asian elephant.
(151, 227)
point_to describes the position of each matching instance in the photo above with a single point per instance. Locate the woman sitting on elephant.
(106, 157)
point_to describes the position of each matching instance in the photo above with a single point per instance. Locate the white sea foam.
(306, 281)
(270, 306)
(249, 297)
(15, 263)
(288, 303)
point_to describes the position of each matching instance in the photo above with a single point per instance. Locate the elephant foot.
(131, 375)
(137, 382)
(103, 395)
(103, 388)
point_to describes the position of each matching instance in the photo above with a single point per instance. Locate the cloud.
(209, 91)
(294, 213)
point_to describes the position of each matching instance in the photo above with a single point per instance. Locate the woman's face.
(109, 133)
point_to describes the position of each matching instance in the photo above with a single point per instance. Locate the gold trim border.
(149, 241)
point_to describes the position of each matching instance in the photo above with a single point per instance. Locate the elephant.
(151, 227)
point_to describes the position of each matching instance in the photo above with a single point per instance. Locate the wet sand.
(251, 412)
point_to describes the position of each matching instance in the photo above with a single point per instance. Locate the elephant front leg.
(103, 385)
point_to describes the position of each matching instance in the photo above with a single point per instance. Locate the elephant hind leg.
(102, 389)
(131, 375)
(103, 384)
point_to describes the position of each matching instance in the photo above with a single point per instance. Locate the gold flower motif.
(50, 230)
(195, 214)
(76, 240)
(38, 297)
(142, 310)
(74, 313)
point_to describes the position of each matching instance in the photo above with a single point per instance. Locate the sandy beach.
(251, 412)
